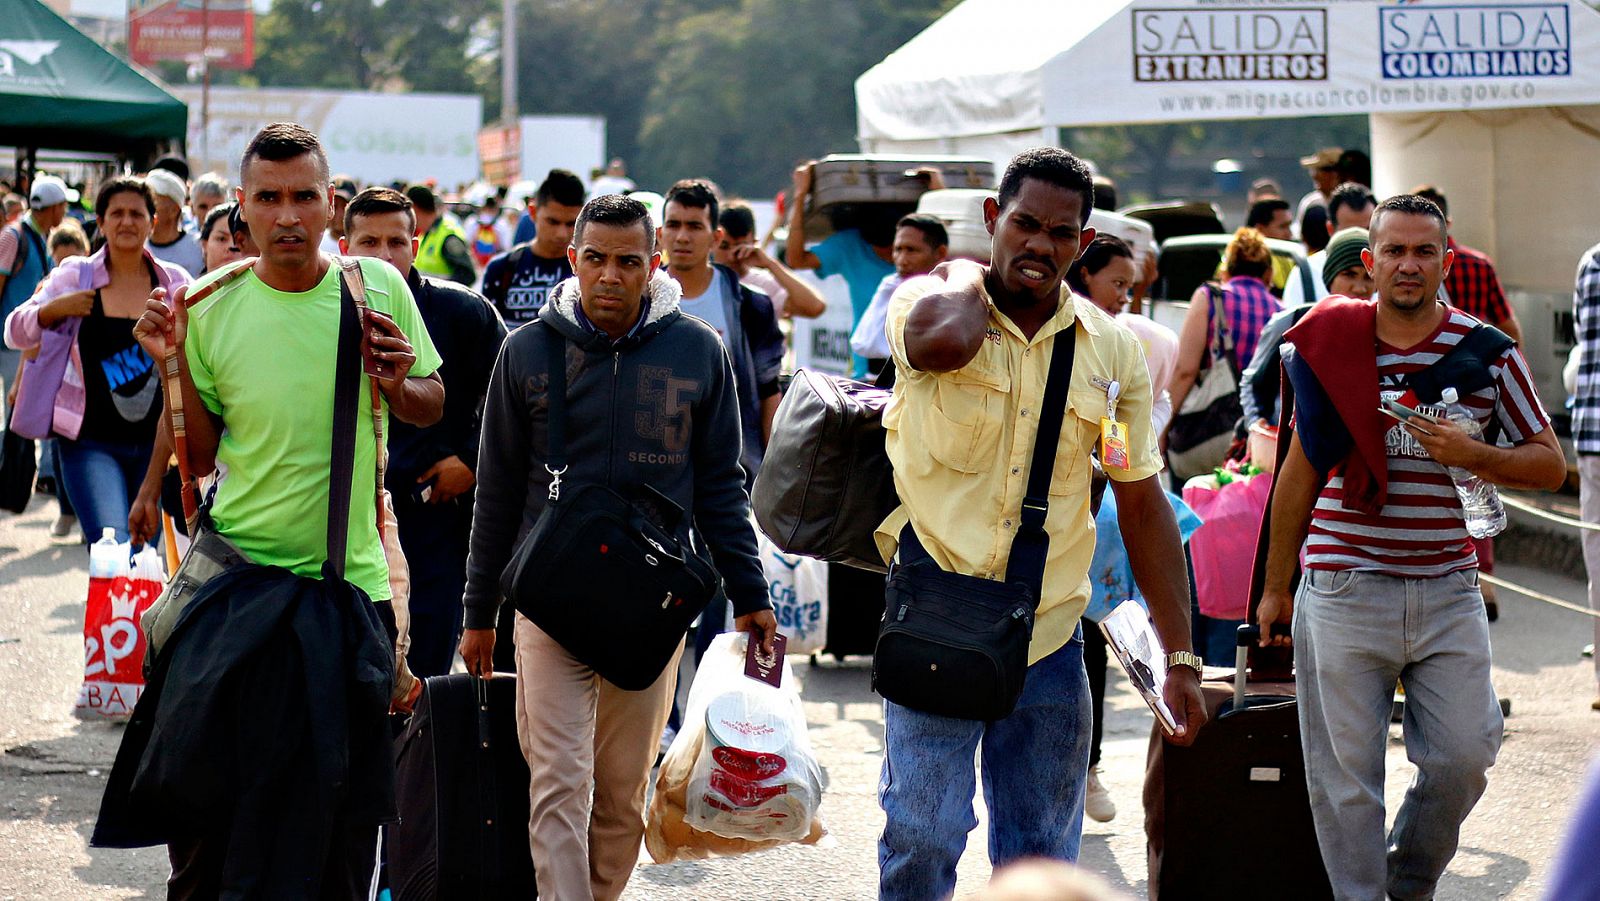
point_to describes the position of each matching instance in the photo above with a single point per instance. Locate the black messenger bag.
(613, 579)
(957, 645)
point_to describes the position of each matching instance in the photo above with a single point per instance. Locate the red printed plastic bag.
(1225, 544)
(113, 643)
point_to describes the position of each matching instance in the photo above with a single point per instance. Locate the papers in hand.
(1131, 637)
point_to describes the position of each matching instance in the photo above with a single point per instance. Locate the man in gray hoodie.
(651, 401)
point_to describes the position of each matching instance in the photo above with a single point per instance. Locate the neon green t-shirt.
(263, 360)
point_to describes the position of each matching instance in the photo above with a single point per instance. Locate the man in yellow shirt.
(973, 357)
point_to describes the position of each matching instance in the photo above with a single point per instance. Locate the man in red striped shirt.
(1390, 588)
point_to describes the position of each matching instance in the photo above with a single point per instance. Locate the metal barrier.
(1546, 514)
(1529, 592)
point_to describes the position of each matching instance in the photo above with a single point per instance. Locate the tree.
(368, 44)
(743, 92)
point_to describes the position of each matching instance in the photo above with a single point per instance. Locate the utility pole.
(508, 62)
(205, 84)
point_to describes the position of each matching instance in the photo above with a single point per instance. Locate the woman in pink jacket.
(108, 401)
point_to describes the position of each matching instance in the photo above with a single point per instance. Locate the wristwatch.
(1186, 658)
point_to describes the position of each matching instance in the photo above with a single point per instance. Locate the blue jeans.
(102, 478)
(1035, 762)
(1355, 635)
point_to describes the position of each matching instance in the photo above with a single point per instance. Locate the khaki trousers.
(590, 746)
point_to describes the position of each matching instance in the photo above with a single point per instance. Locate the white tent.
(1006, 66)
(1498, 103)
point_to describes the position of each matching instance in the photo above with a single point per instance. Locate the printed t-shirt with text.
(529, 287)
(263, 360)
(1421, 531)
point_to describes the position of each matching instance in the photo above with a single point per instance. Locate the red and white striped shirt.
(1421, 532)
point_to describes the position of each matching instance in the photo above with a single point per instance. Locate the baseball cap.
(164, 184)
(345, 186)
(1326, 158)
(49, 191)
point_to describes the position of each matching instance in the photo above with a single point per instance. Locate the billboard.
(375, 138)
(184, 30)
(533, 146)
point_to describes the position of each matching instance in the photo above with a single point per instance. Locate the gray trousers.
(1589, 502)
(1355, 635)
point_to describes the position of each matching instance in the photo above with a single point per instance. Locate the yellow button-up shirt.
(961, 443)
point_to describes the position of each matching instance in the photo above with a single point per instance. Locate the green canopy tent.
(61, 90)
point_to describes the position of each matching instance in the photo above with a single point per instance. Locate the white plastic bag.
(741, 775)
(798, 589)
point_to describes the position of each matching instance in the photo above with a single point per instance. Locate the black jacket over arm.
(266, 721)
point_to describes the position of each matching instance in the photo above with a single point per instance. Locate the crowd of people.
(665, 314)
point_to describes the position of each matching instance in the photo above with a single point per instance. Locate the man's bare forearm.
(1536, 465)
(804, 301)
(418, 402)
(1294, 498)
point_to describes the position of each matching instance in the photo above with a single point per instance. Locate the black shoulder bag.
(957, 645)
(614, 580)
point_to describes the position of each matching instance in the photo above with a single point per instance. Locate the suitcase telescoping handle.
(1244, 640)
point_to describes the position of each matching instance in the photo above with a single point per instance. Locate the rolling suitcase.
(1245, 767)
(461, 785)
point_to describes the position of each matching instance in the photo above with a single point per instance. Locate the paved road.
(53, 766)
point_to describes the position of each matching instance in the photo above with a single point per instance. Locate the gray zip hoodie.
(657, 407)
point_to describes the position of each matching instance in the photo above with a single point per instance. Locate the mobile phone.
(373, 323)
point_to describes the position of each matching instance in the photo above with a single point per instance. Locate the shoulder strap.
(1031, 544)
(355, 283)
(1222, 334)
(508, 271)
(1308, 286)
(341, 468)
(189, 488)
(26, 238)
(555, 393)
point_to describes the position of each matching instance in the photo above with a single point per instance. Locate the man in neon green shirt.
(259, 355)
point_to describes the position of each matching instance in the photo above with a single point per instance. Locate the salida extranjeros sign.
(1239, 59)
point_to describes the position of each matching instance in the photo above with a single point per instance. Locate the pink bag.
(1224, 546)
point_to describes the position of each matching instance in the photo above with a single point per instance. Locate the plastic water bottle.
(1480, 500)
(107, 558)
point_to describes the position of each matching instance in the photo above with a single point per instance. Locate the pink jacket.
(22, 330)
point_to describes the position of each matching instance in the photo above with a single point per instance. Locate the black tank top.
(122, 389)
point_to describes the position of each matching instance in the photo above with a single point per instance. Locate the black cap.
(345, 186)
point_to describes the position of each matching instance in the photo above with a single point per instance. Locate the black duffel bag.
(825, 482)
(615, 580)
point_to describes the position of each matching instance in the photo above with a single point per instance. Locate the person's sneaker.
(1588, 650)
(1097, 801)
(44, 485)
(1595, 704)
(62, 527)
